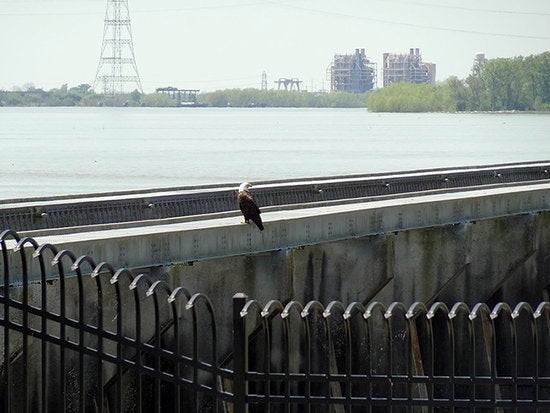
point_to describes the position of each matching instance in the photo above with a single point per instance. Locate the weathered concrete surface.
(453, 246)
(504, 259)
(188, 241)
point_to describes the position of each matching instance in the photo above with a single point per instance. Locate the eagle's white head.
(244, 186)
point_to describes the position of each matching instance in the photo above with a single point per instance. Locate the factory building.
(353, 73)
(407, 68)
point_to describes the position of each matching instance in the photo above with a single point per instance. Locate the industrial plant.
(353, 73)
(407, 68)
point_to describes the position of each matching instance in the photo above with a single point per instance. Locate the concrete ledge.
(152, 205)
(202, 239)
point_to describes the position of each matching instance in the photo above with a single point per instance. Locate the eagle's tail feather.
(258, 221)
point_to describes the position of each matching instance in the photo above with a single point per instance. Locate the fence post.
(240, 355)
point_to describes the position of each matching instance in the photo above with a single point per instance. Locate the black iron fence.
(89, 337)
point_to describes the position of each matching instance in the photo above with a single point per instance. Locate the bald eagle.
(248, 206)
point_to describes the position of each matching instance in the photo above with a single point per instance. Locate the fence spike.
(498, 308)
(177, 291)
(545, 305)
(116, 276)
(435, 307)
(330, 306)
(353, 308)
(522, 306)
(136, 280)
(309, 306)
(373, 306)
(286, 311)
(394, 306)
(99, 268)
(478, 308)
(456, 307)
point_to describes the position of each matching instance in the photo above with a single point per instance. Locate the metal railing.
(124, 207)
(353, 358)
(96, 338)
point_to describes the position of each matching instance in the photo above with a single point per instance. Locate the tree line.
(503, 84)
(519, 83)
(83, 95)
(282, 98)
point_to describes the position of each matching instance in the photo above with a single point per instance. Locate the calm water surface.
(54, 151)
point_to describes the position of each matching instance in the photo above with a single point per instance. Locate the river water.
(58, 151)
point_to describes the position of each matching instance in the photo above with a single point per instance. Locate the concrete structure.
(407, 68)
(146, 206)
(183, 97)
(353, 73)
(289, 84)
(465, 245)
(483, 243)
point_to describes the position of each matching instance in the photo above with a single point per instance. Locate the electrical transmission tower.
(264, 80)
(117, 63)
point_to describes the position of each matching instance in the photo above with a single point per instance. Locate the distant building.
(353, 73)
(407, 68)
(479, 59)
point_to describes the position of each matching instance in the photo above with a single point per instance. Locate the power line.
(418, 26)
(279, 3)
(477, 10)
(321, 12)
(137, 11)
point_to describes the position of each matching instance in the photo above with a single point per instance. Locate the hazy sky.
(218, 44)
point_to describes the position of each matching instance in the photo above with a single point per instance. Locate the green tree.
(135, 97)
(458, 92)
(538, 80)
(477, 93)
(157, 100)
(281, 98)
(504, 79)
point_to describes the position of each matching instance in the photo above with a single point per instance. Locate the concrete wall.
(503, 259)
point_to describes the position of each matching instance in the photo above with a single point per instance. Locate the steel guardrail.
(118, 207)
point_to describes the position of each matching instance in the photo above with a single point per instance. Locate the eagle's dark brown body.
(248, 207)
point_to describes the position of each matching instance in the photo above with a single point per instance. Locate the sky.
(221, 44)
